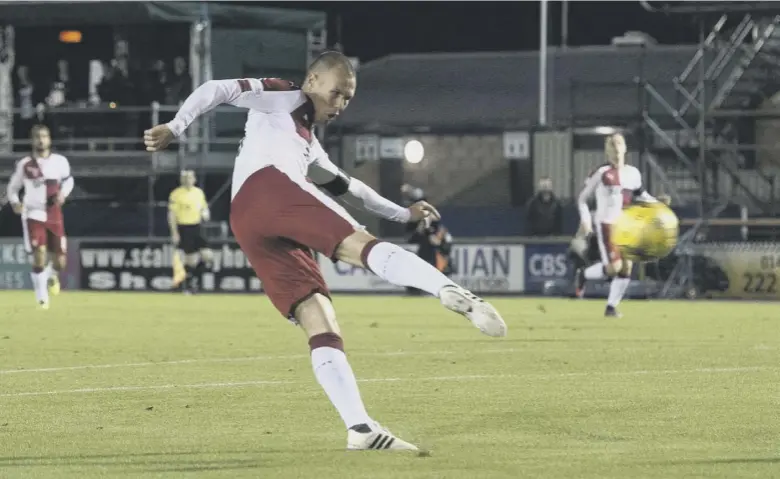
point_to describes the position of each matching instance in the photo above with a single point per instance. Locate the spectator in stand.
(115, 86)
(61, 125)
(128, 94)
(157, 83)
(59, 94)
(180, 85)
(544, 211)
(118, 89)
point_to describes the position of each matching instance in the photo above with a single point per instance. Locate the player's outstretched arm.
(237, 92)
(335, 181)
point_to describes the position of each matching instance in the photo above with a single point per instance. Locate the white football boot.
(481, 313)
(364, 437)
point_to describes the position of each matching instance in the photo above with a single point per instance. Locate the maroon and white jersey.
(614, 188)
(278, 130)
(41, 178)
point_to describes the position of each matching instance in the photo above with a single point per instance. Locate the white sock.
(595, 271)
(400, 267)
(335, 375)
(39, 281)
(617, 289)
(49, 271)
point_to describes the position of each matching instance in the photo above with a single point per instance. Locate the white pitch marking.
(298, 356)
(377, 380)
(231, 385)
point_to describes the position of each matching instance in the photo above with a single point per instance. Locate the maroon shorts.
(48, 234)
(279, 226)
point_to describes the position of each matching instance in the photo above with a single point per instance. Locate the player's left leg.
(317, 317)
(614, 267)
(618, 288)
(58, 249)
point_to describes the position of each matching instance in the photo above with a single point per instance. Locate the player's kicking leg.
(400, 267)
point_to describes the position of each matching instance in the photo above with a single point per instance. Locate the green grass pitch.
(137, 385)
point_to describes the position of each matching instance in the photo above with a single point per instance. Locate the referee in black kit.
(187, 208)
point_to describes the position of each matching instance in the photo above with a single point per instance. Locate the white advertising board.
(490, 268)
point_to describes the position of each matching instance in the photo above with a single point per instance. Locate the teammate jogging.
(614, 185)
(47, 182)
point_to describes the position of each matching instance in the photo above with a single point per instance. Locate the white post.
(565, 24)
(543, 64)
(743, 215)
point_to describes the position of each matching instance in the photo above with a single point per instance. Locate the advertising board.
(490, 268)
(148, 266)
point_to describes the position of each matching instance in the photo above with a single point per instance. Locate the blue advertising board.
(16, 265)
(545, 262)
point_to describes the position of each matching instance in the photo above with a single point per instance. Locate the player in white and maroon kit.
(279, 216)
(46, 179)
(615, 185)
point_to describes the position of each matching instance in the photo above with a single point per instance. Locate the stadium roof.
(499, 90)
(39, 13)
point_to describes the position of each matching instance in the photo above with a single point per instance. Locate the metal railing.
(82, 128)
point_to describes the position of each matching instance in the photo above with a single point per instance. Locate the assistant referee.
(187, 208)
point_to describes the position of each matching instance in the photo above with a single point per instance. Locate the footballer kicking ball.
(646, 232)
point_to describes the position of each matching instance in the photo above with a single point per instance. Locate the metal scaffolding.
(713, 96)
(739, 45)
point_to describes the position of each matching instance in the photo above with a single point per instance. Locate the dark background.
(369, 30)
